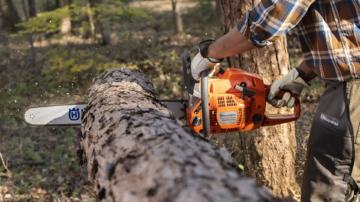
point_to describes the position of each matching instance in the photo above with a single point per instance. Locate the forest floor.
(42, 160)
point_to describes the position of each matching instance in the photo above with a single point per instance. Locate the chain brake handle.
(275, 119)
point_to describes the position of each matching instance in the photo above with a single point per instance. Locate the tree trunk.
(105, 33)
(46, 5)
(268, 154)
(32, 8)
(63, 3)
(135, 150)
(91, 21)
(177, 16)
(33, 53)
(9, 14)
(103, 26)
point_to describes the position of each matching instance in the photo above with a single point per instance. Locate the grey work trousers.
(333, 152)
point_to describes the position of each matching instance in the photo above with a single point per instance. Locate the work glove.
(201, 62)
(291, 82)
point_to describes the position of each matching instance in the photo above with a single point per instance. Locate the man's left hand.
(201, 62)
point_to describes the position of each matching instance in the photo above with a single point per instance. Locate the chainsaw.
(232, 101)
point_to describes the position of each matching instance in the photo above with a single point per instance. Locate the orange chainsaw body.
(231, 111)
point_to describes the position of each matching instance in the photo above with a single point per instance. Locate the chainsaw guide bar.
(70, 114)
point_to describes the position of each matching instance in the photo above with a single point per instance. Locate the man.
(329, 33)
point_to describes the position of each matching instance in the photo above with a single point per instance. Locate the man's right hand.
(201, 62)
(291, 82)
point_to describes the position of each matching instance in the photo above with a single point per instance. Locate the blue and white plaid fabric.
(329, 32)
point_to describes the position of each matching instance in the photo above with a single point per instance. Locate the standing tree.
(63, 3)
(9, 15)
(32, 8)
(33, 53)
(177, 16)
(102, 9)
(46, 5)
(268, 154)
(91, 20)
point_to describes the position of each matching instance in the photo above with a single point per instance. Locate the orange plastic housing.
(229, 113)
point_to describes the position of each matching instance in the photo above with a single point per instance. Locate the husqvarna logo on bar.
(74, 114)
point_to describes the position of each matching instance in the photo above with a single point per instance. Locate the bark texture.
(268, 154)
(135, 150)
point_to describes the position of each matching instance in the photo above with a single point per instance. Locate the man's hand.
(201, 62)
(291, 82)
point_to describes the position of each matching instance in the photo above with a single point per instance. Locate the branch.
(8, 172)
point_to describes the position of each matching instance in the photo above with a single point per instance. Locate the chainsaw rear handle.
(275, 119)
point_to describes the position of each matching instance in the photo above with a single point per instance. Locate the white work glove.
(291, 82)
(200, 62)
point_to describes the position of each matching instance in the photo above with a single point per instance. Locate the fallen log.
(135, 150)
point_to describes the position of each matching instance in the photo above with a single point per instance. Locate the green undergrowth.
(44, 158)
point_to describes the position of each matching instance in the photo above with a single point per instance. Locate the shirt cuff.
(243, 27)
(302, 76)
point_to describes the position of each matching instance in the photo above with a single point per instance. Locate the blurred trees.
(9, 15)
(89, 16)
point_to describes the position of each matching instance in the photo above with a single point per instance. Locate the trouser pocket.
(328, 159)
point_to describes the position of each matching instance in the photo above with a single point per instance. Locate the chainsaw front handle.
(275, 119)
(205, 103)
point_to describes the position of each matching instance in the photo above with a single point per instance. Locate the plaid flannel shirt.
(328, 30)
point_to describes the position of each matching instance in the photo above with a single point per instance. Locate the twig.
(8, 172)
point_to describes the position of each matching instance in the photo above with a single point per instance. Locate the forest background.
(50, 50)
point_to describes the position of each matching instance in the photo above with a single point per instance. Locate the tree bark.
(32, 8)
(9, 14)
(177, 16)
(268, 154)
(135, 150)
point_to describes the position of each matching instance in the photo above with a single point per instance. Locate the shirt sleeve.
(271, 19)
